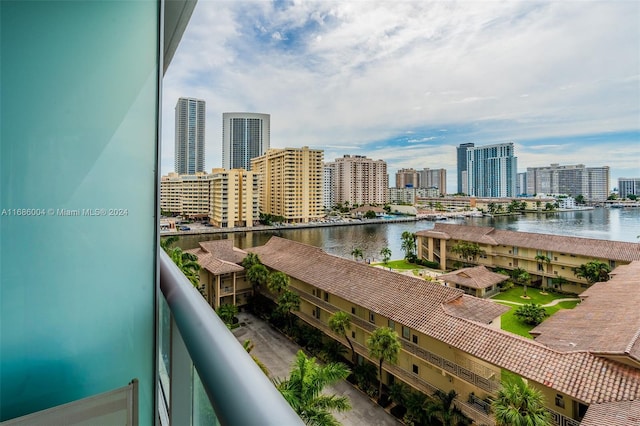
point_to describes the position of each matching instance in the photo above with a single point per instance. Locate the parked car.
(185, 228)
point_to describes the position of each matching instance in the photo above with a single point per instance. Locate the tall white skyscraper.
(189, 154)
(491, 170)
(245, 135)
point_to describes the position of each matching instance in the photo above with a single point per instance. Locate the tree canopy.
(383, 345)
(303, 390)
(518, 404)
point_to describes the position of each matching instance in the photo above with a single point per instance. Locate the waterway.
(600, 223)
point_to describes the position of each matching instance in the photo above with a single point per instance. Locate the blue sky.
(408, 81)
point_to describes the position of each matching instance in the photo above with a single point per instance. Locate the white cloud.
(352, 74)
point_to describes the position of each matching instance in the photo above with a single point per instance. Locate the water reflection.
(606, 224)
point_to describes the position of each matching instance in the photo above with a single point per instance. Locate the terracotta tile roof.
(589, 247)
(607, 321)
(401, 298)
(623, 413)
(224, 250)
(474, 309)
(476, 277)
(431, 309)
(219, 256)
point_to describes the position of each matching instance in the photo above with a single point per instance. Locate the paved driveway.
(277, 353)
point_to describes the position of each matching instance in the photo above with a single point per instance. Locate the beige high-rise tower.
(290, 183)
(234, 198)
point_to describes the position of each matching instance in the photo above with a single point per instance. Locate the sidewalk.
(277, 353)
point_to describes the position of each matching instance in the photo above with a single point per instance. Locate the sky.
(408, 81)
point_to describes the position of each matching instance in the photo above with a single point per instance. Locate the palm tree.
(277, 282)
(257, 274)
(227, 313)
(249, 260)
(303, 390)
(541, 258)
(340, 323)
(593, 271)
(520, 405)
(187, 263)
(384, 345)
(385, 252)
(408, 245)
(357, 253)
(287, 302)
(467, 251)
(442, 407)
(165, 243)
(522, 277)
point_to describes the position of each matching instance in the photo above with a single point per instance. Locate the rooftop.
(607, 321)
(588, 247)
(476, 277)
(447, 315)
(219, 256)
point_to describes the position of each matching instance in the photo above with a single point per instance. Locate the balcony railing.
(238, 391)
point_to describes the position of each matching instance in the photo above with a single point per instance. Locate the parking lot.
(277, 353)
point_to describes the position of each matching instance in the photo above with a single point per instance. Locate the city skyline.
(378, 81)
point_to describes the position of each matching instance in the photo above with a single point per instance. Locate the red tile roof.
(588, 247)
(219, 256)
(436, 311)
(476, 277)
(624, 413)
(606, 322)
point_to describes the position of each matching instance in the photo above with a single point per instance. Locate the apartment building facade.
(592, 183)
(492, 170)
(510, 250)
(290, 183)
(452, 341)
(245, 135)
(360, 180)
(234, 198)
(461, 157)
(628, 186)
(328, 185)
(226, 198)
(186, 195)
(434, 178)
(407, 178)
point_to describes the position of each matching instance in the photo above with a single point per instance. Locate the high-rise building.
(462, 167)
(189, 153)
(628, 186)
(234, 198)
(434, 178)
(407, 178)
(245, 135)
(186, 195)
(290, 183)
(360, 180)
(576, 179)
(491, 170)
(521, 184)
(328, 193)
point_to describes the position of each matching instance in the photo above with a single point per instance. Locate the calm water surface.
(604, 224)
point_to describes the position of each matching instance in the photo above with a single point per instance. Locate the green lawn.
(509, 322)
(399, 264)
(513, 295)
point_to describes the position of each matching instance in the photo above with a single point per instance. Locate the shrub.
(532, 313)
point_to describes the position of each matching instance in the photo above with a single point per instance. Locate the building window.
(316, 313)
(391, 325)
(414, 339)
(326, 296)
(372, 317)
(406, 333)
(353, 310)
(559, 401)
(353, 334)
(415, 369)
(313, 291)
